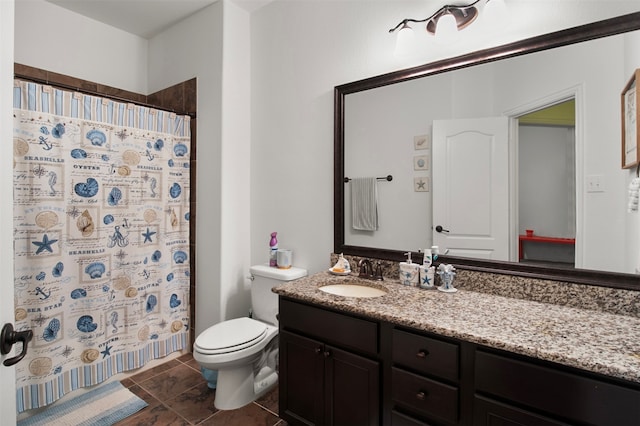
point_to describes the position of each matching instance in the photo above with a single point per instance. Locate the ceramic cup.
(283, 258)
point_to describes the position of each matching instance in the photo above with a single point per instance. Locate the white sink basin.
(353, 290)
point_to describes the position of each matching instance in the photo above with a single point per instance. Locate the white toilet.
(244, 351)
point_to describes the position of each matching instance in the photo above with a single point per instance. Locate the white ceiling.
(144, 18)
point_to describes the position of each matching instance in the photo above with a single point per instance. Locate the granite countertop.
(600, 342)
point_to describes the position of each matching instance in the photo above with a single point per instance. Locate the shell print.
(170, 277)
(46, 219)
(51, 331)
(152, 301)
(95, 270)
(58, 130)
(79, 293)
(97, 137)
(130, 157)
(150, 215)
(57, 270)
(86, 325)
(173, 218)
(174, 302)
(175, 190)
(158, 145)
(89, 355)
(20, 147)
(179, 256)
(156, 256)
(108, 219)
(114, 196)
(85, 223)
(87, 189)
(41, 276)
(176, 326)
(78, 153)
(124, 171)
(180, 150)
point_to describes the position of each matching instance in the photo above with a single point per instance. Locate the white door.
(471, 187)
(7, 374)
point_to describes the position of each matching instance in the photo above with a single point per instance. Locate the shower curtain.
(101, 238)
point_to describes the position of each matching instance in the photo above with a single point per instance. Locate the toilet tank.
(264, 302)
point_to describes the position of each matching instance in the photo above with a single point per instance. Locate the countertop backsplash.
(583, 296)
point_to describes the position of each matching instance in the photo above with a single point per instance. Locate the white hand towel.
(364, 204)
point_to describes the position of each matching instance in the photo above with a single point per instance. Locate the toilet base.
(238, 387)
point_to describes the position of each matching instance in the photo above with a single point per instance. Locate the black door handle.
(8, 338)
(441, 229)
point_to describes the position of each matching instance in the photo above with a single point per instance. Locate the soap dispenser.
(409, 272)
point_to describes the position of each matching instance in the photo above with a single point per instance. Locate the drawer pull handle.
(318, 350)
(422, 395)
(327, 354)
(422, 353)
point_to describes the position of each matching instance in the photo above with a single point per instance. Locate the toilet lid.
(229, 336)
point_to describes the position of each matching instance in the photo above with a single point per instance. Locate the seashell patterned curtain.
(101, 219)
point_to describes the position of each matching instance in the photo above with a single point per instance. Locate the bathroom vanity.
(415, 357)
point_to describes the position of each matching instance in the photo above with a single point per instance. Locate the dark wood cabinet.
(322, 383)
(341, 369)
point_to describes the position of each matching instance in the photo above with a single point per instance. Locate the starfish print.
(147, 236)
(106, 352)
(421, 184)
(44, 245)
(67, 351)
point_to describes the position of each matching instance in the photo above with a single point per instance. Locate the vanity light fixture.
(447, 19)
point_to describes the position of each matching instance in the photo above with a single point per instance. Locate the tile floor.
(177, 394)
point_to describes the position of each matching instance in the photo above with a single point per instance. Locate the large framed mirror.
(495, 83)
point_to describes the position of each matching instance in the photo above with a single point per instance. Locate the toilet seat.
(230, 336)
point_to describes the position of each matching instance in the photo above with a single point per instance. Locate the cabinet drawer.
(426, 355)
(331, 327)
(424, 396)
(492, 413)
(399, 419)
(568, 395)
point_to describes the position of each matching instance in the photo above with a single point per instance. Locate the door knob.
(441, 229)
(9, 337)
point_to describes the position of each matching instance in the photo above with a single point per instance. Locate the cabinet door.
(351, 389)
(301, 379)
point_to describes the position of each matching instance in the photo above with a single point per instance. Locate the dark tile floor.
(177, 394)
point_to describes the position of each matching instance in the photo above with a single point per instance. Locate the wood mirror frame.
(569, 36)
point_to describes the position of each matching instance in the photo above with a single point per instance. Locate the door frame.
(574, 92)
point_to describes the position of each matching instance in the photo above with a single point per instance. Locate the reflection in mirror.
(561, 176)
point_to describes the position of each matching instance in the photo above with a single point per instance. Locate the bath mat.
(103, 406)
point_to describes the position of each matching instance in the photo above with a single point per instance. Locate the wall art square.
(421, 184)
(421, 162)
(422, 141)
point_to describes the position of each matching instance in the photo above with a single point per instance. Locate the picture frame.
(630, 121)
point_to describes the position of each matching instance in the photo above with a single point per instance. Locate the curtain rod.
(388, 178)
(94, 93)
